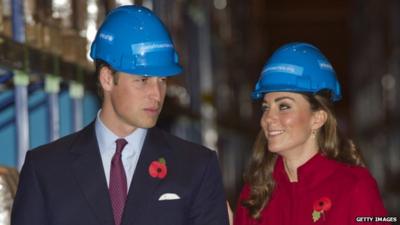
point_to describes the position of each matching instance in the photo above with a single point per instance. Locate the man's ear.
(319, 119)
(106, 78)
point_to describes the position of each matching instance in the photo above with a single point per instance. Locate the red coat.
(346, 192)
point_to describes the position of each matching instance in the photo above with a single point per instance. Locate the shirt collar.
(106, 138)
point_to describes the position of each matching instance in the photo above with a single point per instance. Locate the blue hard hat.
(297, 67)
(132, 39)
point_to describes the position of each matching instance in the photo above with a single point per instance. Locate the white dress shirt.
(130, 155)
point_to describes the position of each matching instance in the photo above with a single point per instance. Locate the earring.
(313, 133)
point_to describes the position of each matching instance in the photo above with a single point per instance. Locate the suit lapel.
(89, 172)
(143, 185)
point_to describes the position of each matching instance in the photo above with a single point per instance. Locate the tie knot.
(120, 145)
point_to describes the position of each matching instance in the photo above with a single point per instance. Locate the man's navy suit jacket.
(63, 183)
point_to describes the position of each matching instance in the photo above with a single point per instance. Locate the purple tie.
(118, 186)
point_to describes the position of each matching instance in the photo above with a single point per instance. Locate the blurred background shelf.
(223, 45)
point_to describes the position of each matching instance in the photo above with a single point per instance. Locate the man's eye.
(141, 80)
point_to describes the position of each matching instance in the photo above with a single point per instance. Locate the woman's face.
(288, 123)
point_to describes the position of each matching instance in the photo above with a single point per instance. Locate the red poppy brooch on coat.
(321, 206)
(158, 169)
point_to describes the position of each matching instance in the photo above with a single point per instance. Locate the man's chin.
(149, 124)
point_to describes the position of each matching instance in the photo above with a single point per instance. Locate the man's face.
(134, 101)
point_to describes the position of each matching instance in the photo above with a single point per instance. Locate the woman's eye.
(264, 107)
(284, 106)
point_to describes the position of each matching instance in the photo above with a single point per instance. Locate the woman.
(301, 171)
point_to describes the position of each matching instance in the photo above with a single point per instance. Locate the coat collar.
(89, 173)
(316, 169)
(143, 185)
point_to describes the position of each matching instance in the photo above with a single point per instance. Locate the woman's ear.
(319, 119)
(106, 78)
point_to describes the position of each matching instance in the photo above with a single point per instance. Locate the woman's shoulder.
(362, 189)
(356, 176)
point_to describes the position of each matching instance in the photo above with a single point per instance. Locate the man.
(120, 170)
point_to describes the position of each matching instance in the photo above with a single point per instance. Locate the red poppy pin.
(321, 206)
(158, 169)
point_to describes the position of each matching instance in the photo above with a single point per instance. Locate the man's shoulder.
(60, 145)
(187, 160)
(183, 146)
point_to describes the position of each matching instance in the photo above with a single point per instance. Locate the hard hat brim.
(160, 71)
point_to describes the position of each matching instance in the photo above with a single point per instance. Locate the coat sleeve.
(28, 207)
(366, 200)
(209, 204)
(241, 216)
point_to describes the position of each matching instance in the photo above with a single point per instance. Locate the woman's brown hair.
(330, 142)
